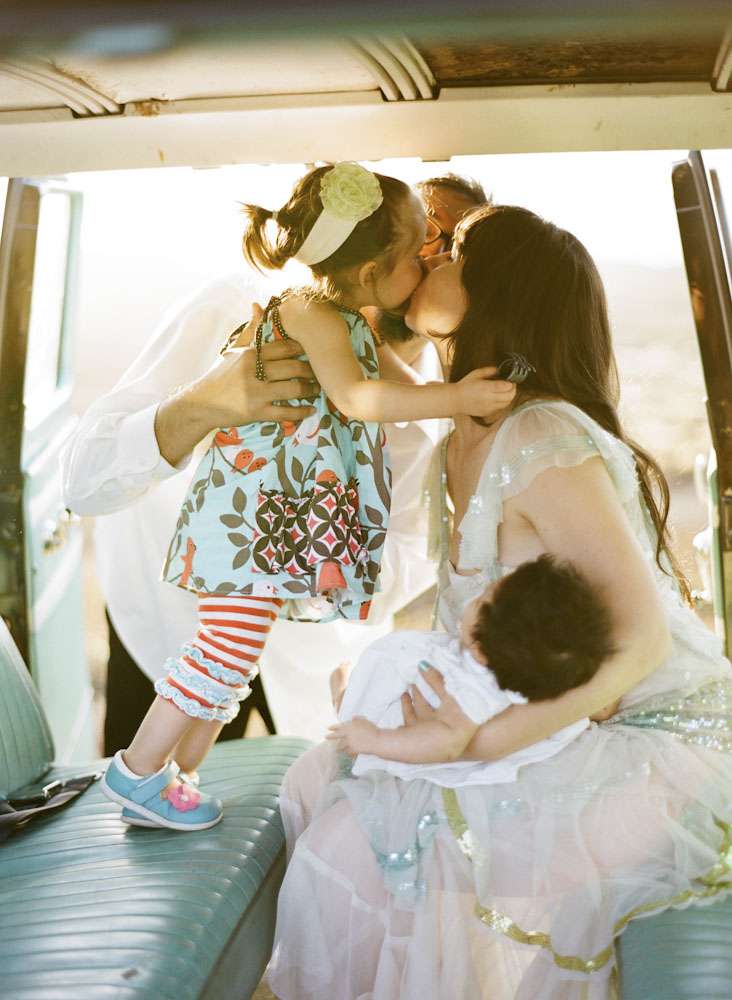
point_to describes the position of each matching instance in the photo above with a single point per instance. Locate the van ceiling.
(243, 68)
(226, 84)
(127, 58)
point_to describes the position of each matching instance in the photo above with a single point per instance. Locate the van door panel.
(703, 241)
(40, 541)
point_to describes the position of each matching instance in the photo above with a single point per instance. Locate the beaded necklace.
(273, 311)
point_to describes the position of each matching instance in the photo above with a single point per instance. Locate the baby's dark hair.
(373, 238)
(545, 630)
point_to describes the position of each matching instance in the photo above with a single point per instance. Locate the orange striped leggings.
(212, 672)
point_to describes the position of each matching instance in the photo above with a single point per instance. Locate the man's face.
(445, 207)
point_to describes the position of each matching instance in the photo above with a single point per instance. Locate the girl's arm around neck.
(323, 334)
(395, 369)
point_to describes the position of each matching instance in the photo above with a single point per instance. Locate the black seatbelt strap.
(17, 811)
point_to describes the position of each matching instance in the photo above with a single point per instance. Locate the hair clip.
(514, 368)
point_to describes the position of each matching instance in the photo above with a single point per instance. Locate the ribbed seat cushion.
(678, 955)
(26, 747)
(91, 908)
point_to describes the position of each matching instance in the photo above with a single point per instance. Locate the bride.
(528, 884)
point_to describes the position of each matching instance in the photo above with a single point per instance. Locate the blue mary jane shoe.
(135, 819)
(160, 799)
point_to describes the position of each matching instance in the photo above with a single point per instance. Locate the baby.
(534, 634)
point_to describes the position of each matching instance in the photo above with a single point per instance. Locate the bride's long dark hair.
(534, 289)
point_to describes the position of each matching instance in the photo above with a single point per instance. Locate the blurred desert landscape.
(662, 396)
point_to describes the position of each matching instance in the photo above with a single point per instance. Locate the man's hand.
(229, 394)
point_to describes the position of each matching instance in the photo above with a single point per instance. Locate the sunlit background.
(151, 237)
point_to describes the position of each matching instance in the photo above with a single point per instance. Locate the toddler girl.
(290, 519)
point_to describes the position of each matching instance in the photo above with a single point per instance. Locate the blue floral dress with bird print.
(297, 511)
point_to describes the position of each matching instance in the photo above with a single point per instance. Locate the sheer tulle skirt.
(526, 885)
(339, 934)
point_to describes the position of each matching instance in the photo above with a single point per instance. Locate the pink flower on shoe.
(181, 796)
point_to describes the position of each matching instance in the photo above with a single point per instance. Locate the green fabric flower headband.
(349, 193)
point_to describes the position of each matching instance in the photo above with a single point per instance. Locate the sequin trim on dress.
(702, 719)
(714, 882)
(401, 868)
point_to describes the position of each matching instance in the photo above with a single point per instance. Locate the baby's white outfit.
(389, 665)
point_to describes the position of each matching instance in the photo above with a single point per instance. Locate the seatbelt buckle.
(40, 798)
(52, 789)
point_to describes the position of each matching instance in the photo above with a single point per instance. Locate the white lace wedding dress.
(523, 887)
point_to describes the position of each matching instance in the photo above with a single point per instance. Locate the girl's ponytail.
(372, 239)
(260, 250)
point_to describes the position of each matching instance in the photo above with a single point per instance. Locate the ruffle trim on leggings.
(216, 670)
(194, 708)
(197, 683)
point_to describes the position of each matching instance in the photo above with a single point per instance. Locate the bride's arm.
(578, 517)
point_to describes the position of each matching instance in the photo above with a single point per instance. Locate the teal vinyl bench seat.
(678, 955)
(91, 909)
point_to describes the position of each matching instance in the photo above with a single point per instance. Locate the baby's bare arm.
(430, 742)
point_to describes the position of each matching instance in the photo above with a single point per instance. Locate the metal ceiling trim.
(397, 67)
(422, 74)
(55, 96)
(723, 64)
(390, 91)
(392, 65)
(327, 127)
(82, 99)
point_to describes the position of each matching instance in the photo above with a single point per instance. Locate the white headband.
(349, 193)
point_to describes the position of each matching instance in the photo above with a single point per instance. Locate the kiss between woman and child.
(290, 520)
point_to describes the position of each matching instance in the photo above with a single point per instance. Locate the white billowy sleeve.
(113, 457)
(539, 436)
